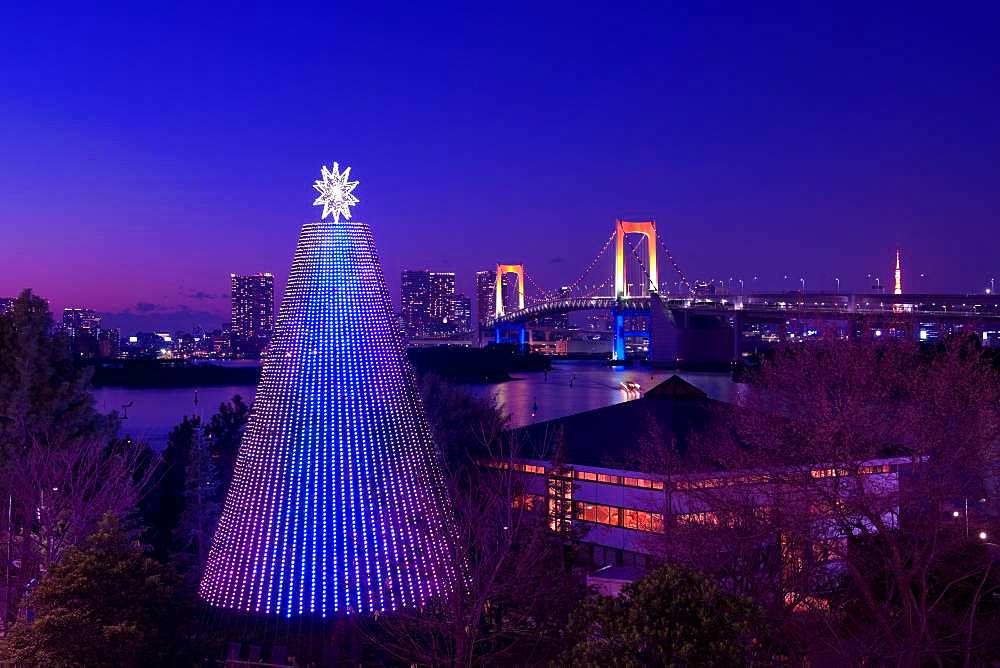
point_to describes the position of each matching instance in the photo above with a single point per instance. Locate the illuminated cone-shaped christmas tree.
(337, 503)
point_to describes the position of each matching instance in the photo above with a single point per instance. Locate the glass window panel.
(603, 514)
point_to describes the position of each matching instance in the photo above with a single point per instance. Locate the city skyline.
(810, 142)
(151, 319)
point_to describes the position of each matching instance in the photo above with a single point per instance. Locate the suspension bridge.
(617, 294)
(675, 321)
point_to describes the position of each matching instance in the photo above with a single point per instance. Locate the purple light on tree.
(338, 502)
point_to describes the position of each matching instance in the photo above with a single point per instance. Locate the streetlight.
(741, 287)
(803, 281)
(838, 285)
(982, 535)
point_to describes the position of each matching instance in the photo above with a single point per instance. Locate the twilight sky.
(147, 153)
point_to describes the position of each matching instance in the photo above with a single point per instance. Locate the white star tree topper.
(335, 193)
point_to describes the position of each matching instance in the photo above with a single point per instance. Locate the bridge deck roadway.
(641, 306)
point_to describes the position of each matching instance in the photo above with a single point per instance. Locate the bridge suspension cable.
(590, 267)
(593, 263)
(597, 288)
(542, 291)
(673, 263)
(594, 289)
(642, 265)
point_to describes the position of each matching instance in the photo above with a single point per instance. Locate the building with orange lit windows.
(622, 495)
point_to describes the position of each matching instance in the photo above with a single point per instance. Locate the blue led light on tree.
(338, 502)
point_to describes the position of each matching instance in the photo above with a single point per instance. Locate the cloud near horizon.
(149, 317)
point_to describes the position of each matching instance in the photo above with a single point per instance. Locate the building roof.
(617, 436)
(675, 387)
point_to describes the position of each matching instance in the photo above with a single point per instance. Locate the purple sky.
(148, 153)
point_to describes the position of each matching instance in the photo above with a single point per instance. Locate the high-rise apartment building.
(486, 299)
(223, 344)
(427, 303)
(109, 343)
(463, 316)
(6, 304)
(83, 327)
(252, 313)
(486, 295)
(76, 320)
(442, 303)
(555, 320)
(414, 302)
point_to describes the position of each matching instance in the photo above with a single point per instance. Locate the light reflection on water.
(571, 387)
(575, 386)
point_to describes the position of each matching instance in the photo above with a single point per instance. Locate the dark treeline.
(491, 364)
(151, 373)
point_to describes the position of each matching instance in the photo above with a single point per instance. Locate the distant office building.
(109, 343)
(486, 295)
(144, 344)
(83, 327)
(463, 315)
(6, 304)
(185, 344)
(223, 339)
(704, 289)
(556, 320)
(597, 322)
(76, 320)
(442, 303)
(414, 302)
(252, 312)
(427, 303)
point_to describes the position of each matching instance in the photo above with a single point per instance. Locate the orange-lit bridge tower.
(646, 228)
(502, 271)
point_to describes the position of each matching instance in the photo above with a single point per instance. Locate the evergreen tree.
(105, 604)
(671, 617)
(183, 498)
(44, 395)
(225, 430)
(193, 535)
(162, 507)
